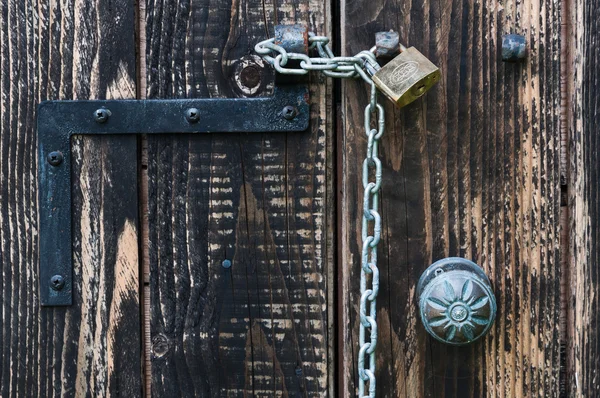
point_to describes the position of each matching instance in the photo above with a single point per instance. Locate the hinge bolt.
(192, 115)
(289, 112)
(57, 282)
(55, 158)
(101, 115)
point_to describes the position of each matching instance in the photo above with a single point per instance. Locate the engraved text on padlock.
(407, 77)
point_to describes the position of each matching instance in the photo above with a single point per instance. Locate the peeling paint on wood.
(583, 257)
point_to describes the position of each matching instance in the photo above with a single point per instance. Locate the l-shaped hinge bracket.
(286, 111)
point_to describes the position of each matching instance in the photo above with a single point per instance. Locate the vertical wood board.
(583, 310)
(78, 49)
(260, 327)
(470, 170)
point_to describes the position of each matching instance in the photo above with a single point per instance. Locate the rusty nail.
(55, 158)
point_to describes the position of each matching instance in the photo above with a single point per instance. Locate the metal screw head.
(57, 282)
(55, 158)
(514, 48)
(192, 115)
(226, 263)
(101, 115)
(289, 112)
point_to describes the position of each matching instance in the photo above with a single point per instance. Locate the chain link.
(352, 67)
(371, 222)
(327, 63)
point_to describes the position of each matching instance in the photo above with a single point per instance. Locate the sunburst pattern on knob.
(456, 302)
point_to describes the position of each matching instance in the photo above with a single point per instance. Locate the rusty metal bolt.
(514, 48)
(387, 44)
(294, 38)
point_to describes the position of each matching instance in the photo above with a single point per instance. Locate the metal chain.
(352, 67)
(369, 273)
(327, 63)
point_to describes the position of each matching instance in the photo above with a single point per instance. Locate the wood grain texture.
(261, 327)
(584, 312)
(471, 170)
(75, 49)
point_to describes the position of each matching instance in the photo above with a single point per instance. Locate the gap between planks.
(143, 202)
(566, 87)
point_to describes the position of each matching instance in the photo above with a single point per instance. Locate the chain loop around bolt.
(352, 67)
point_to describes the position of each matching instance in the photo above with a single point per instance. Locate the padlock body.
(407, 77)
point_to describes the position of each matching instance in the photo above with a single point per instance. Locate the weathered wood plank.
(68, 50)
(472, 170)
(584, 314)
(260, 327)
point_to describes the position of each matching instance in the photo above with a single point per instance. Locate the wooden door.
(497, 163)
(156, 284)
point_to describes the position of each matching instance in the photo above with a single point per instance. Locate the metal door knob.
(456, 302)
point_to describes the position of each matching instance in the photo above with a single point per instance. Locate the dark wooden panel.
(68, 50)
(471, 170)
(261, 327)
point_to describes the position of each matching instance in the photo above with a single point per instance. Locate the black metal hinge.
(286, 111)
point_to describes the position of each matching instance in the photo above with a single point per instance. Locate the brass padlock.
(406, 77)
